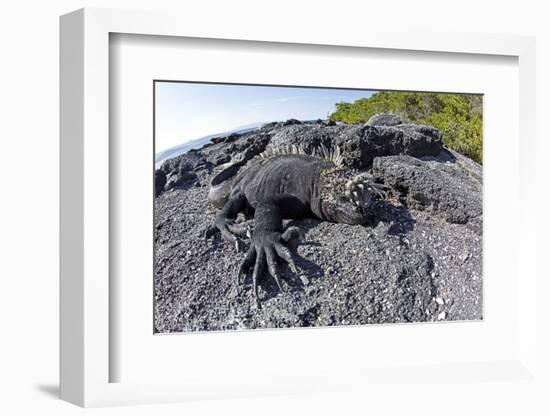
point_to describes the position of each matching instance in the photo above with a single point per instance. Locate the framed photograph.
(355, 218)
(277, 213)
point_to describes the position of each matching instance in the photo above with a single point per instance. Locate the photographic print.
(286, 207)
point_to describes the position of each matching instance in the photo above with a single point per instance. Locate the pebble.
(439, 301)
(441, 316)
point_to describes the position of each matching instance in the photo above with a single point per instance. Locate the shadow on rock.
(444, 157)
(399, 218)
(307, 269)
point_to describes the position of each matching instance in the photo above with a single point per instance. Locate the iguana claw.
(230, 232)
(266, 248)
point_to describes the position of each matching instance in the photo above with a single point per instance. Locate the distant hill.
(201, 141)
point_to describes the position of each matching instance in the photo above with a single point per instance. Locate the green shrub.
(457, 116)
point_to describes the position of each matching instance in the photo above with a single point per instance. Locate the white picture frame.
(85, 218)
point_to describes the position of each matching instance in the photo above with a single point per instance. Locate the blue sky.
(186, 111)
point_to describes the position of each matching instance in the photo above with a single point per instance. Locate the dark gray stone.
(385, 120)
(361, 143)
(451, 188)
(183, 163)
(180, 179)
(160, 181)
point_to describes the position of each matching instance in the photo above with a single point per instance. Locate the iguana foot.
(230, 231)
(267, 247)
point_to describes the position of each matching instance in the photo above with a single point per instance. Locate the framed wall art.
(268, 213)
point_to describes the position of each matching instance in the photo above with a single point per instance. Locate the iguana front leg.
(268, 244)
(225, 221)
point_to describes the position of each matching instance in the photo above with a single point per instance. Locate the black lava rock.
(418, 260)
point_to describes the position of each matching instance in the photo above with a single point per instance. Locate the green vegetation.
(457, 116)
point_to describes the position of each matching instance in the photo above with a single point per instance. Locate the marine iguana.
(287, 183)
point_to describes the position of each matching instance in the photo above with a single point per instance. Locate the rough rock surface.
(385, 120)
(419, 260)
(451, 190)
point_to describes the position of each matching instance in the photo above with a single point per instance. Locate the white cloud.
(283, 99)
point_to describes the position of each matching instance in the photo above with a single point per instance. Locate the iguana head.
(345, 196)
